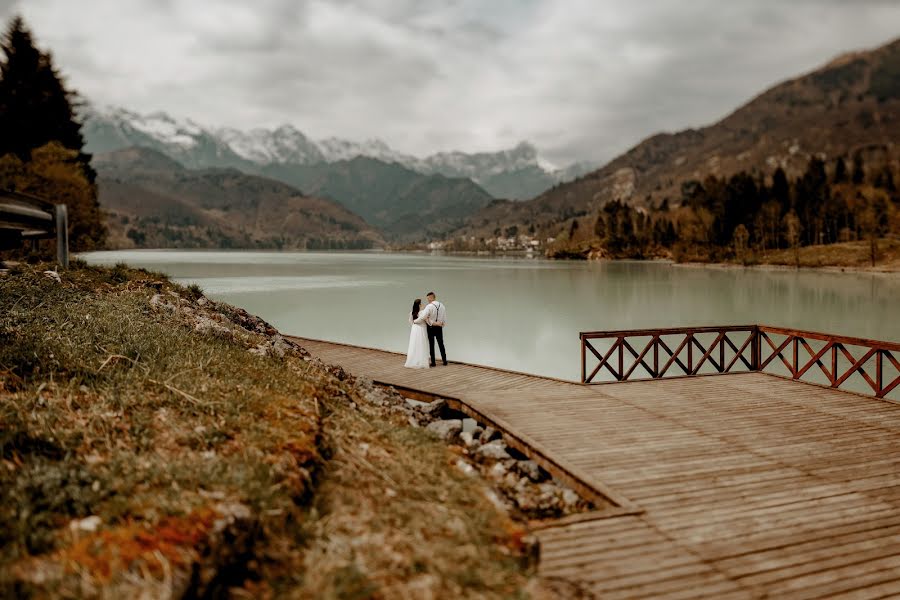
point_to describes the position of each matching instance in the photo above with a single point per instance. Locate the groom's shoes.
(445, 363)
(433, 365)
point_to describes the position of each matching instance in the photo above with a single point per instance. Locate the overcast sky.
(582, 79)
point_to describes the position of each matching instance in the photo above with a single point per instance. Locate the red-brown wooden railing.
(689, 351)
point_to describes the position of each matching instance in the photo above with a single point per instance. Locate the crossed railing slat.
(757, 352)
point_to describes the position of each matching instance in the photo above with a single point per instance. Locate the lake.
(518, 313)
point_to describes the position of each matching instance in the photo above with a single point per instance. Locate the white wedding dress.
(418, 355)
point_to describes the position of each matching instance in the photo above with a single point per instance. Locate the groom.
(435, 319)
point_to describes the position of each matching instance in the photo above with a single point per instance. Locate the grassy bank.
(848, 255)
(156, 443)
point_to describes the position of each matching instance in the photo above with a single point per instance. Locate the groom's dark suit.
(437, 312)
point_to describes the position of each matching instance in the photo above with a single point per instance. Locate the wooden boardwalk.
(732, 486)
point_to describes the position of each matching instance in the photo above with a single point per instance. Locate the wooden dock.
(744, 485)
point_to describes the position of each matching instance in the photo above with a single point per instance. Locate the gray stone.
(448, 430)
(570, 498)
(465, 467)
(489, 434)
(432, 410)
(497, 471)
(466, 438)
(495, 450)
(529, 469)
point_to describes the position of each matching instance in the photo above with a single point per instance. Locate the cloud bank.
(582, 79)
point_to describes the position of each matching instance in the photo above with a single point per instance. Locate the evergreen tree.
(600, 228)
(885, 179)
(35, 106)
(811, 194)
(859, 173)
(840, 170)
(781, 190)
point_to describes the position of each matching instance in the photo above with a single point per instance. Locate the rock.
(489, 434)
(570, 498)
(52, 275)
(497, 471)
(206, 325)
(529, 469)
(467, 439)
(477, 431)
(157, 301)
(446, 430)
(465, 467)
(89, 524)
(495, 450)
(433, 410)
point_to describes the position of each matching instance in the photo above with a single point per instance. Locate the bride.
(417, 357)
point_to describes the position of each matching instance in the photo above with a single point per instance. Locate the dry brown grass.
(413, 527)
(852, 255)
(139, 435)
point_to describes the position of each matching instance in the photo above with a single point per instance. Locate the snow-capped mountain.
(514, 173)
(283, 145)
(183, 140)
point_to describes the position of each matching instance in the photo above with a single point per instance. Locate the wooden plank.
(751, 484)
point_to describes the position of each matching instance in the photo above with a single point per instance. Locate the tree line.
(722, 218)
(41, 145)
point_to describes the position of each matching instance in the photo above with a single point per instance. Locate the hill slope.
(851, 104)
(153, 201)
(405, 204)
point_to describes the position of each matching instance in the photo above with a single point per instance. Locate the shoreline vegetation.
(155, 443)
(838, 257)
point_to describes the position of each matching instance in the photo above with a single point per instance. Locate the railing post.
(656, 357)
(722, 351)
(796, 358)
(879, 376)
(834, 364)
(690, 345)
(621, 374)
(755, 348)
(583, 361)
(62, 235)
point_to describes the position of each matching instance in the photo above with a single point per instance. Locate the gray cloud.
(582, 79)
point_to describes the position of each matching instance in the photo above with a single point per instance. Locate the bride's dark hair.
(415, 308)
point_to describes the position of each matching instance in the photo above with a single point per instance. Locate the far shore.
(889, 268)
(888, 271)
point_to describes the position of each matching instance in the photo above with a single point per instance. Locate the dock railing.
(813, 357)
(25, 218)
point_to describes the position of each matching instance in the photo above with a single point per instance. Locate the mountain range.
(849, 106)
(517, 173)
(152, 201)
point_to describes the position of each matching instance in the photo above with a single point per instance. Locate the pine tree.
(35, 106)
(781, 189)
(840, 170)
(859, 173)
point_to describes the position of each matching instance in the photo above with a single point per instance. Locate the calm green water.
(521, 314)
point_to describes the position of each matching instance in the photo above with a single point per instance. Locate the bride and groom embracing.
(427, 326)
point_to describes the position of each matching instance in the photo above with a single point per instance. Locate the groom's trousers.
(436, 333)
